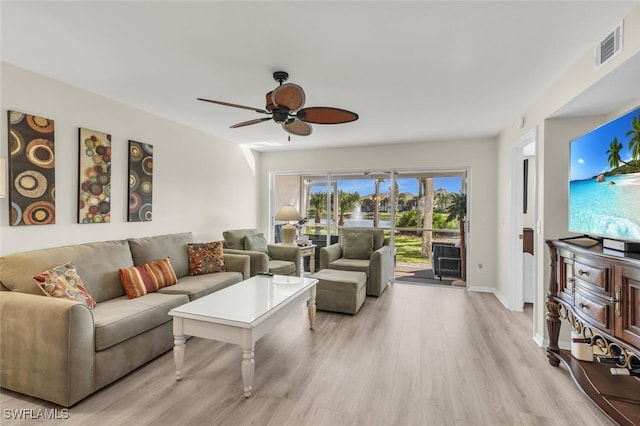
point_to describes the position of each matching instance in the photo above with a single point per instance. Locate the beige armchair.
(364, 250)
(276, 258)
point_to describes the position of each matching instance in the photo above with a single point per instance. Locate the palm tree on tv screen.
(634, 143)
(614, 154)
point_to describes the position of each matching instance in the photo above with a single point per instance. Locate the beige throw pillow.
(357, 245)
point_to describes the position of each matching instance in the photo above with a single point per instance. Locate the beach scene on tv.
(604, 188)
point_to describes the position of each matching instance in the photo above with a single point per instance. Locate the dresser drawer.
(596, 310)
(597, 278)
(565, 279)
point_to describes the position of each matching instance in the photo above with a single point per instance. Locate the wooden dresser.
(598, 294)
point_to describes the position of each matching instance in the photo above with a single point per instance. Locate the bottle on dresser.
(634, 365)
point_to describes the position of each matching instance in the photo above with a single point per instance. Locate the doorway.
(524, 222)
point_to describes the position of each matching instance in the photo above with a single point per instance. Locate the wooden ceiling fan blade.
(297, 127)
(250, 122)
(326, 115)
(289, 96)
(234, 105)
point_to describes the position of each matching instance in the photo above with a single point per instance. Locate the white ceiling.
(413, 71)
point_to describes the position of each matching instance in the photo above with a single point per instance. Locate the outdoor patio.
(419, 274)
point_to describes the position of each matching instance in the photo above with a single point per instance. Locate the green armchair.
(364, 250)
(277, 258)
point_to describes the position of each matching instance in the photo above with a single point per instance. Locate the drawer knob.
(582, 305)
(581, 272)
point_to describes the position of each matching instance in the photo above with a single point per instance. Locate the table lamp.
(288, 213)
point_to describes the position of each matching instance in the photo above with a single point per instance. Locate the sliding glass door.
(412, 206)
(426, 235)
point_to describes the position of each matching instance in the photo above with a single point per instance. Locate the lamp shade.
(288, 213)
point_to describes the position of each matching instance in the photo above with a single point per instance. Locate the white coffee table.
(241, 314)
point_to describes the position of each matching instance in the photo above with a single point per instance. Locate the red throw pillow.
(143, 279)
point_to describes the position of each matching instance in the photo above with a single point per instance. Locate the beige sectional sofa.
(62, 351)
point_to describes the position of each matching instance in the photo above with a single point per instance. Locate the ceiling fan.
(285, 107)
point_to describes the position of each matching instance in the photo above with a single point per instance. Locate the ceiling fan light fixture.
(289, 96)
(297, 127)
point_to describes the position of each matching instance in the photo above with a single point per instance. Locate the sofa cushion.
(201, 285)
(148, 278)
(64, 282)
(357, 245)
(97, 264)
(378, 238)
(351, 265)
(256, 242)
(282, 267)
(205, 258)
(378, 235)
(122, 318)
(234, 237)
(173, 246)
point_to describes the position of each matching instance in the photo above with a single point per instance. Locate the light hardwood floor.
(417, 355)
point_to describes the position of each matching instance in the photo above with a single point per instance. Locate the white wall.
(202, 184)
(479, 155)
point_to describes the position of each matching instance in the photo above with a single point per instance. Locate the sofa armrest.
(329, 254)
(258, 261)
(290, 253)
(47, 347)
(238, 263)
(379, 270)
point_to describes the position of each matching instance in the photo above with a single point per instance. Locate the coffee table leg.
(178, 354)
(248, 367)
(311, 307)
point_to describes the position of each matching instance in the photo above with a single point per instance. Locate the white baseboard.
(541, 341)
(493, 290)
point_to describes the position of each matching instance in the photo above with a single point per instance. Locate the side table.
(311, 252)
(307, 251)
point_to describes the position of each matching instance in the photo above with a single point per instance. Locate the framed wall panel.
(31, 170)
(94, 170)
(140, 181)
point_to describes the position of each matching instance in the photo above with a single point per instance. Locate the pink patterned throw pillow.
(65, 283)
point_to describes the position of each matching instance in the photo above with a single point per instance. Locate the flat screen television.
(604, 180)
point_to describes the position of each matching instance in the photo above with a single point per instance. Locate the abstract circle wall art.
(140, 181)
(94, 196)
(31, 170)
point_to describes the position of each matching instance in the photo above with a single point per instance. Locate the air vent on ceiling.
(609, 46)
